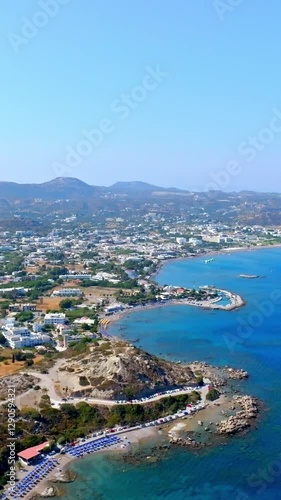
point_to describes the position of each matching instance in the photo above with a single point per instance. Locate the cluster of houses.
(21, 336)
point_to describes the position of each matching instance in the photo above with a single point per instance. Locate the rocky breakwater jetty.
(242, 419)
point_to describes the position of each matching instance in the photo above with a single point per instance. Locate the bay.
(246, 467)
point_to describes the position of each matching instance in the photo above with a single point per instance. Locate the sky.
(178, 93)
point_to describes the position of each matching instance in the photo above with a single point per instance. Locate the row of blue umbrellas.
(96, 445)
(29, 481)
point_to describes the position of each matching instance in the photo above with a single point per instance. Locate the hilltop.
(113, 368)
(70, 187)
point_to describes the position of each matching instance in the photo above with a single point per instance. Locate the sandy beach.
(237, 304)
(208, 417)
(236, 301)
(60, 475)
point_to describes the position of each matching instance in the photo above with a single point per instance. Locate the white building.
(84, 320)
(54, 319)
(67, 292)
(102, 276)
(37, 327)
(23, 337)
(114, 308)
(181, 241)
(74, 276)
(195, 242)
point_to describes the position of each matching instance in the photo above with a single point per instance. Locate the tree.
(29, 362)
(66, 304)
(213, 394)
(200, 380)
(61, 440)
(24, 316)
(2, 339)
(86, 326)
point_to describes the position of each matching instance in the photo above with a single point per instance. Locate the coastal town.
(52, 285)
(60, 290)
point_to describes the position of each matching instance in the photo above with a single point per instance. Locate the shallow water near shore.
(246, 467)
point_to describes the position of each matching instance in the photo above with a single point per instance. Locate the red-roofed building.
(29, 454)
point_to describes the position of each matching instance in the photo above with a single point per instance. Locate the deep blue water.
(246, 467)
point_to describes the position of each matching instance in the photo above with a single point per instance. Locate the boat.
(249, 276)
(207, 261)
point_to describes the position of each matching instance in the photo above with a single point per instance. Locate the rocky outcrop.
(20, 382)
(236, 374)
(109, 368)
(49, 492)
(242, 419)
(185, 442)
(217, 375)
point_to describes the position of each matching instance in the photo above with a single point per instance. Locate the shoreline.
(188, 432)
(236, 302)
(143, 433)
(57, 478)
(211, 253)
(121, 314)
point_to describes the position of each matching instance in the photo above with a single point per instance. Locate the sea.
(244, 467)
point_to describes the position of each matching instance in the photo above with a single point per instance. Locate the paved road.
(56, 400)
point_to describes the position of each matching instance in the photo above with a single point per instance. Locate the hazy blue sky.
(220, 85)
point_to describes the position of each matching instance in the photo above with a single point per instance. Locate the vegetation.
(34, 426)
(23, 355)
(2, 339)
(213, 394)
(73, 314)
(200, 380)
(3, 307)
(69, 303)
(137, 414)
(24, 316)
(141, 297)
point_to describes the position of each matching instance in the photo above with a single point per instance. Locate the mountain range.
(26, 204)
(68, 187)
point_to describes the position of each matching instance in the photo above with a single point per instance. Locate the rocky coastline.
(242, 419)
(218, 376)
(244, 412)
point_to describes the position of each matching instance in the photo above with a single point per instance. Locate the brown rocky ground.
(111, 367)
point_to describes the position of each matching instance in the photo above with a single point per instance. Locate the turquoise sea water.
(247, 467)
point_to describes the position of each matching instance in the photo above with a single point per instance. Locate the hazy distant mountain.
(25, 205)
(62, 187)
(67, 187)
(70, 188)
(138, 187)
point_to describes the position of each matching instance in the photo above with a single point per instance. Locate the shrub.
(83, 381)
(213, 394)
